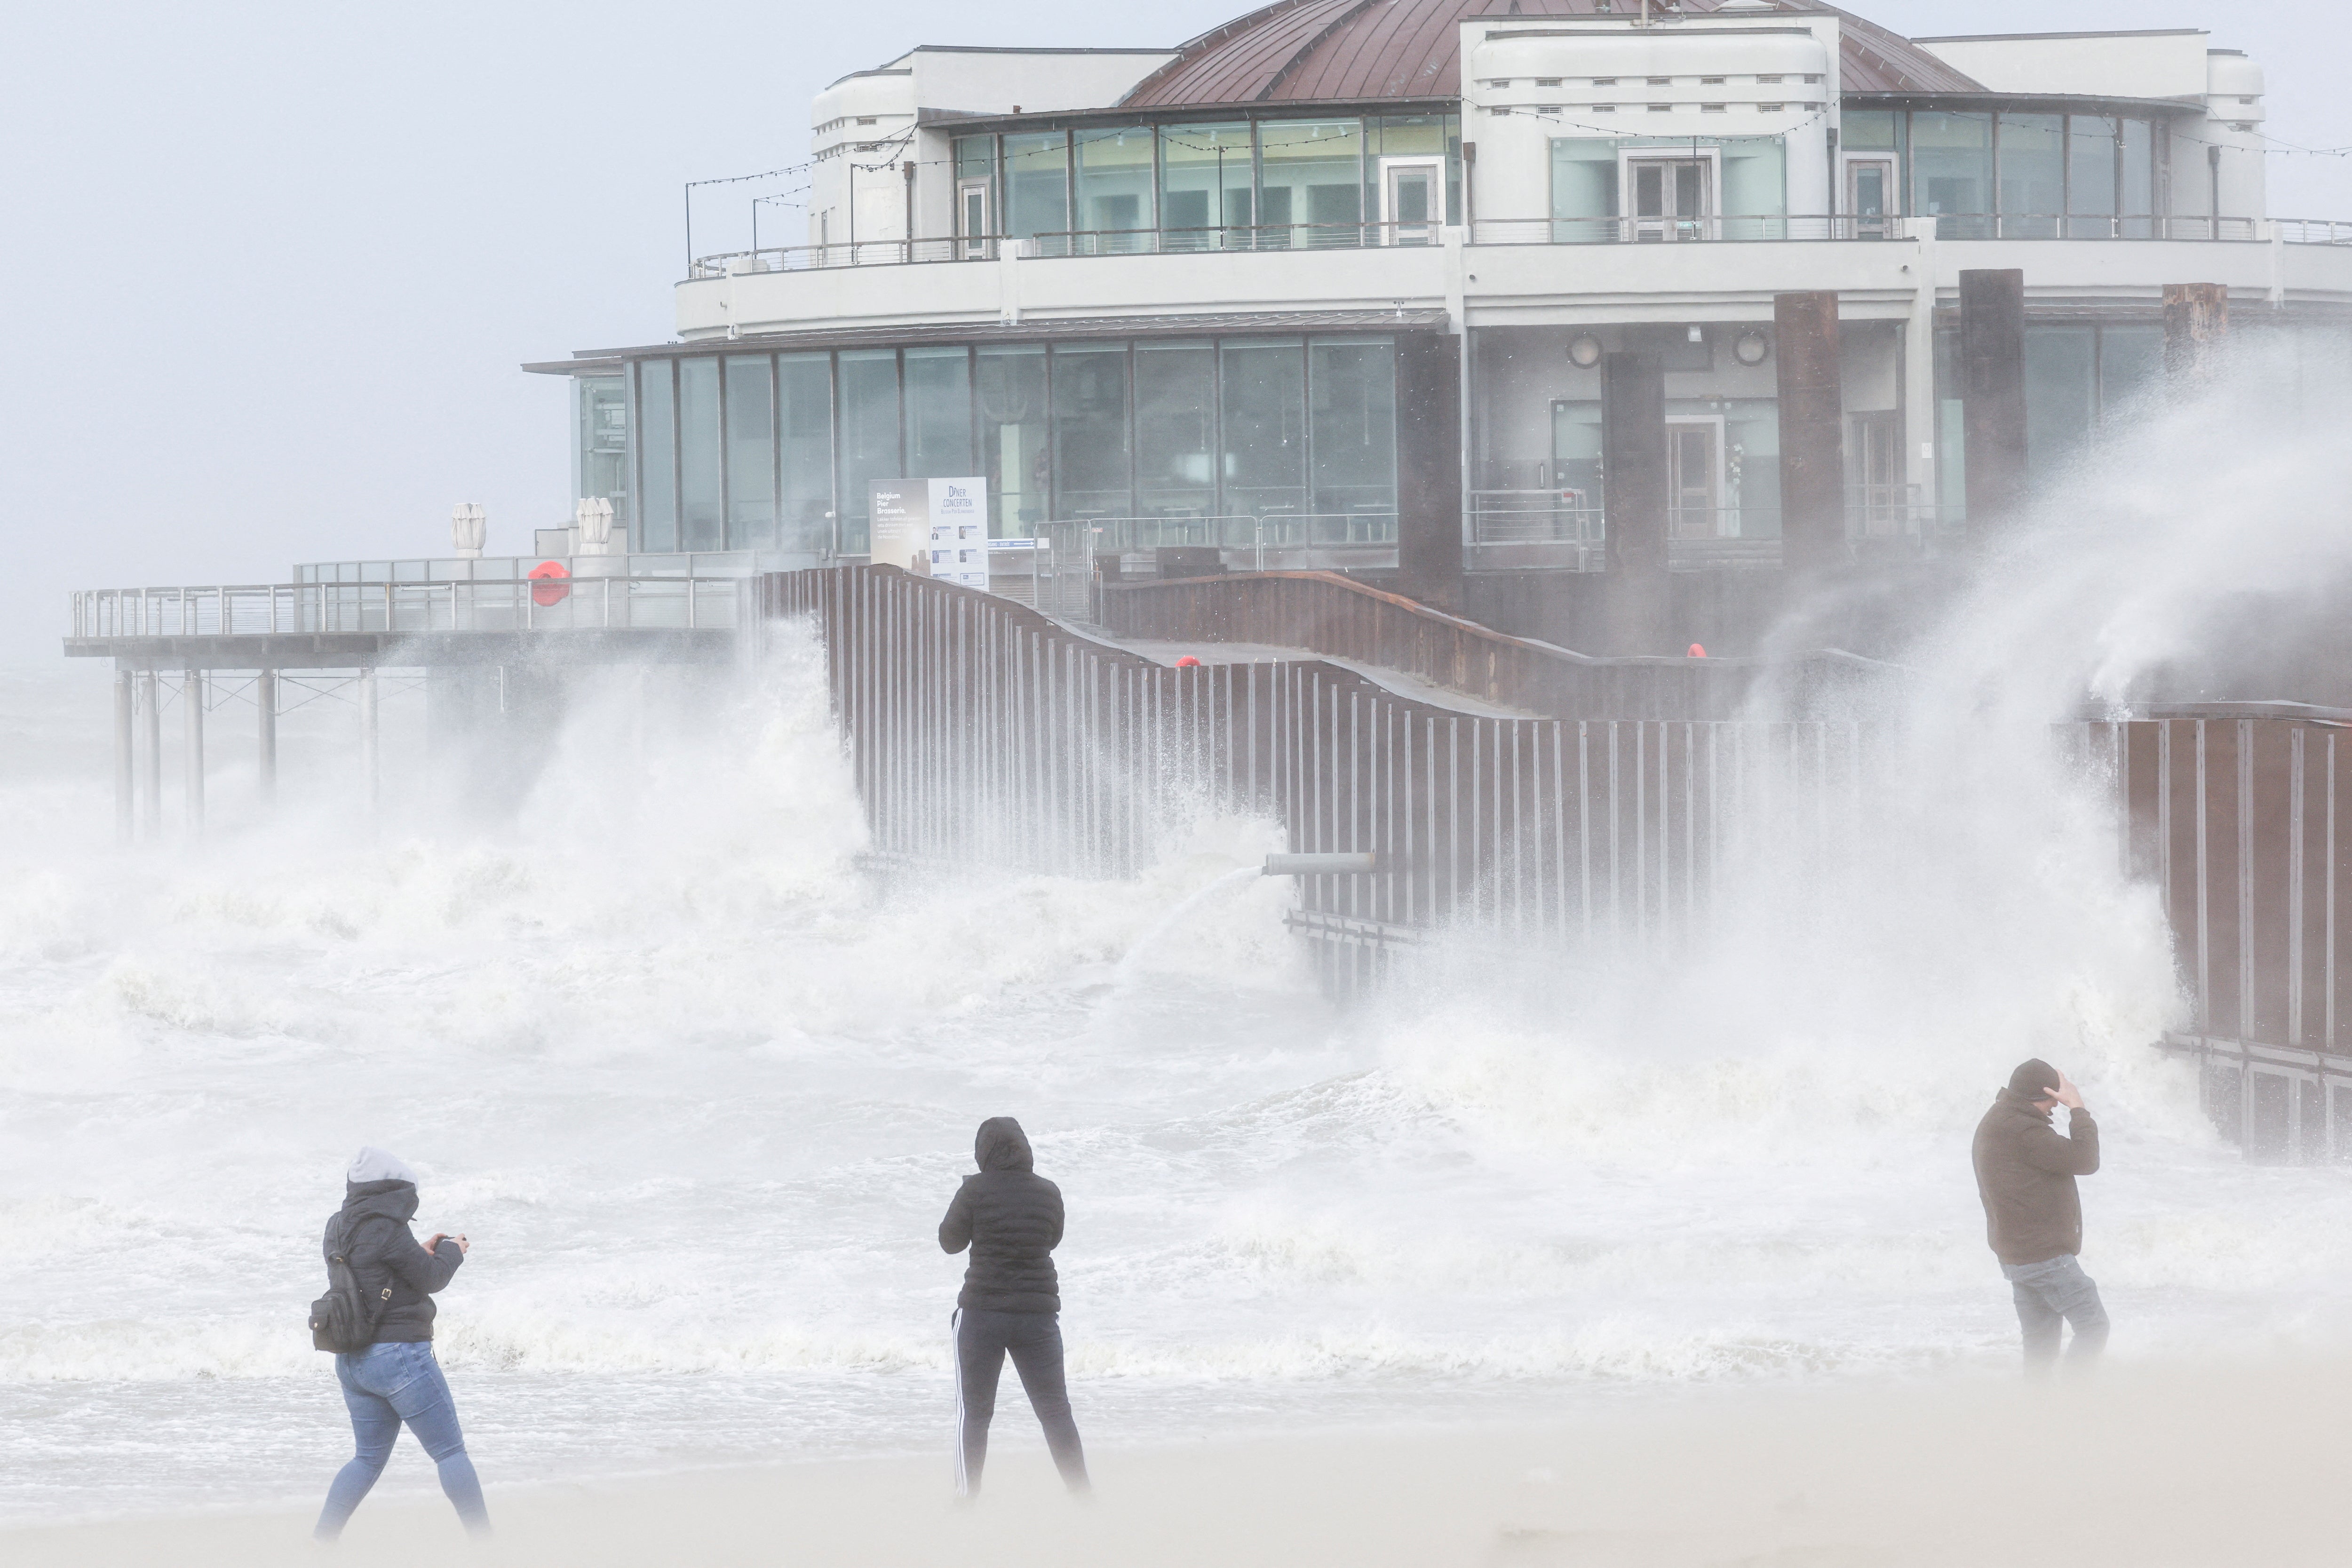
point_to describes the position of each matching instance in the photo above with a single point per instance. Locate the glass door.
(1876, 488)
(1694, 478)
(1671, 198)
(1413, 200)
(972, 217)
(1869, 198)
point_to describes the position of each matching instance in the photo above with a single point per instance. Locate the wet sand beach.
(2138, 1465)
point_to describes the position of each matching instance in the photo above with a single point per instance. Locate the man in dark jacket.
(2033, 1215)
(396, 1380)
(1011, 1217)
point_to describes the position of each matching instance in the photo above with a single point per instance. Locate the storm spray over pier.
(1493, 714)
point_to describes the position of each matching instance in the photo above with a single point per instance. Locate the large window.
(1951, 172)
(939, 413)
(2032, 175)
(2138, 199)
(1208, 184)
(751, 452)
(2061, 397)
(1090, 432)
(804, 430)
(699, 524)
(1015, 452)
(2094, 176)
(1114, 185)
(869, 436)
(1352, 428)
(1175, 430)
(1037, 184)
(1310, 178)
(1265, 418)
(1584, 184)
(656, 435)
(600, 436)
(1755, 185)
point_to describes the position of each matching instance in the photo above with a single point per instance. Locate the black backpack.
(343, 1319)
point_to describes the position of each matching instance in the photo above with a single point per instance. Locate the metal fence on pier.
(271, 608)
(980, 730)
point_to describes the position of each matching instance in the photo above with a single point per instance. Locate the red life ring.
(545, 591)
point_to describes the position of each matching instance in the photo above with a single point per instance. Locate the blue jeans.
(384, 1385)
(2047, 1292)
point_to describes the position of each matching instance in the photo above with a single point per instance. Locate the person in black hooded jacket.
(1011, 1217)
(396, 1381)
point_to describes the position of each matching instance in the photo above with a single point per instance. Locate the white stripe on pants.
(955, 1360)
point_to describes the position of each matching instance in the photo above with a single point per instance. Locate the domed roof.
(1342, 50)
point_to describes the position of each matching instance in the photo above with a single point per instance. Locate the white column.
(192, 748)
(265, 702)
(150, 688)
(369, 783)
(1921, 415)
(126, 699)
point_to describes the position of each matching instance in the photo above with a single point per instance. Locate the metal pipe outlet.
(1322, 865)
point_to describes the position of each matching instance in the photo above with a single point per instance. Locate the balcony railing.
(268, 609)
(1716, 229)
(1523, 529)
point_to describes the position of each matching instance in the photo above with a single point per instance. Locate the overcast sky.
(270, 267)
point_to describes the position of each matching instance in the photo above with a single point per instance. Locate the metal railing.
(1709, 228)
(1567, 528)
(1234, 237)
(1769, 226)
(712, 563)
(863, 253)
(268, 609)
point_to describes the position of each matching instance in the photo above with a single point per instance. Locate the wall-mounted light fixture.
(1753, 348)
(1584, 351)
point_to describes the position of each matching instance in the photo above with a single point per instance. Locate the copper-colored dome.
(1340, 51)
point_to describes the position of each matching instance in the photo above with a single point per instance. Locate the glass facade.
(1237, 185)
(779, 452)
(2028, 176)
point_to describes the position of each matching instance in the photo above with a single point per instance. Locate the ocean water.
(699, 1086)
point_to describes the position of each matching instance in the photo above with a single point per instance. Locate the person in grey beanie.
(394, 1381)
(2034, 1213)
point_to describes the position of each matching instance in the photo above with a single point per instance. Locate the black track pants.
(1034, 1340)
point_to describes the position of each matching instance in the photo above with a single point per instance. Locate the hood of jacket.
(387, 1200)
(1003, 1146)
